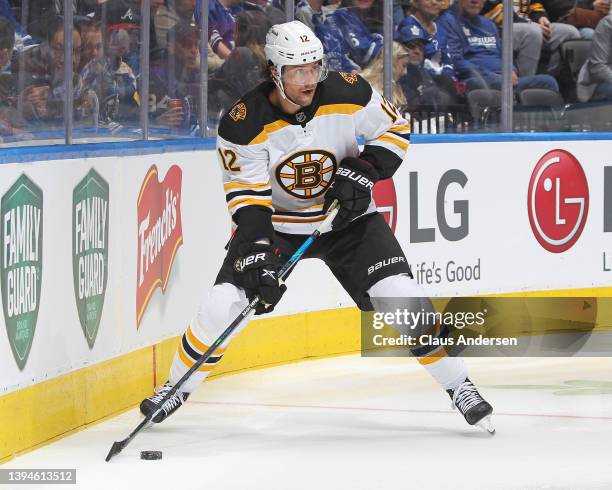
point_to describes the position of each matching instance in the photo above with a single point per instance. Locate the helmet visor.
(304, 75)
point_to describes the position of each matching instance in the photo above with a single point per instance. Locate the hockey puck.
(149, 455)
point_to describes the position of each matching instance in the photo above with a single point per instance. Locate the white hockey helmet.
(293, 43)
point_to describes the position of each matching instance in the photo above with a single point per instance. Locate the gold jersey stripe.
(331, 109)
(390, 139)
(400, 127)
(267, 129)
(316, 206)
(243, 185)
(248, 201)
(325, 110)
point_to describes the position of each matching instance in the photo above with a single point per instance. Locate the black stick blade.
(116, 449)
(120, 446)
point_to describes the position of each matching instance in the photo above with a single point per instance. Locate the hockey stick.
(118, 446)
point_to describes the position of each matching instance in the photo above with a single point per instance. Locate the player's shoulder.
(247, 117)
(345, 88)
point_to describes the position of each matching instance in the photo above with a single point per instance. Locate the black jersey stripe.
(232, 195)
(389, 113)
(405, 136)
(295, 213)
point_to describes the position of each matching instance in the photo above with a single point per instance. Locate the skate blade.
(486, 425)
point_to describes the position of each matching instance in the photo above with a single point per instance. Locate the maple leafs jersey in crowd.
(285, 163)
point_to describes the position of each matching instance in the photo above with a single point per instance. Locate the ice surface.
(361, 423)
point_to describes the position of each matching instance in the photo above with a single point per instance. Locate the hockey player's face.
(300, 82)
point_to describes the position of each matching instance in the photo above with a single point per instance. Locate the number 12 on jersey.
(228, 157)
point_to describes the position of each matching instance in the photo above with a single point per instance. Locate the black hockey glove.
(352, 188)
(259, 265)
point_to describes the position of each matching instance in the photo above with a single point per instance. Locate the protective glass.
(305, 75)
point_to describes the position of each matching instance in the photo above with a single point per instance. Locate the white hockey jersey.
(286, 162)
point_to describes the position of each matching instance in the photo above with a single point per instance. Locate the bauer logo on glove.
(240, 264)
(258, 267)
(352, 188)
(357, 177)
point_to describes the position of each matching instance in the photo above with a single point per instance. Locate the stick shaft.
(285, 269)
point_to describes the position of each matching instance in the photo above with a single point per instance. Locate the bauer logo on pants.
(160, 233)
(21, 259)
(90, 251)
(558, 201)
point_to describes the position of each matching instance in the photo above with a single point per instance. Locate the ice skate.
(151, 404)
(476, 410)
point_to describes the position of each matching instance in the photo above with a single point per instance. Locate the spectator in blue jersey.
(421, 25)
(305, 9)
(422, 85)
(475, 49)
(348, 42)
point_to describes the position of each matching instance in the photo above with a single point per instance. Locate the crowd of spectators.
(442, 51)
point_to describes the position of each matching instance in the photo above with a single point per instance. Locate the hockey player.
(287, 150)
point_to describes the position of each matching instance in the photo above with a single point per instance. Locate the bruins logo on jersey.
(306, 174)
(238, 112)
(349, 78)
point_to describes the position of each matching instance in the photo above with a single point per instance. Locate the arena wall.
(108, 249)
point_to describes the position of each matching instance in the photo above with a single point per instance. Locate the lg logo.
(460, 207)
(558, 201)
